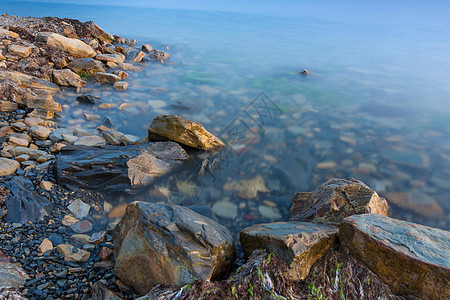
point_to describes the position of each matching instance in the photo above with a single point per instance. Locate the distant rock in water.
(335, 200)
(169, 244)
(184, 131)
(25, 204)
(117, 168)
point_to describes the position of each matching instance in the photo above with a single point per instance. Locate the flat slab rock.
(413, 259)
(170, 244)
(117, 168)
(335, 200)
(25, 204)
(299, 244)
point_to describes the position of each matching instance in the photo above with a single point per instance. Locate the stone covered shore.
(62, 239)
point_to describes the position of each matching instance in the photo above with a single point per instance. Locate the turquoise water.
(375, 105)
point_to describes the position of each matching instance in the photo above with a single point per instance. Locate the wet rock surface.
(158, 243)
(299, 244)
(112, 168)
(181, 130)
(25, 204)
(335, 200)
(411, 258)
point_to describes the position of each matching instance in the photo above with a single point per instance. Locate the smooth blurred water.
(376, 103)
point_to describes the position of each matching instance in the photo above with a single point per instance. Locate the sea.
(374, 104)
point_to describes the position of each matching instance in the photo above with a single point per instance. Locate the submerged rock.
(159, 243)
(335, 200)
(299, 244)
(112, 168)
(411, 258)
(25, 204)
(184, 131)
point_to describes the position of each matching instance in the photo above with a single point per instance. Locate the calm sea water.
(375, 105)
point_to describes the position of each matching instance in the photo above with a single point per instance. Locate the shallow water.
(374, 107)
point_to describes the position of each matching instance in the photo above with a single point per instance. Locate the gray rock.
(113, 168)
(299, 244)
(411, 258)
(33, 154)
(25, 204)
(335, 200)
(225, 209)
(79, 209)
(158, 243)
(56, 135)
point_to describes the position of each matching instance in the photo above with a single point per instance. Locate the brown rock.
(299, 244)
(106, 77)
(417, 202)
(8, 106)
(17, 141)
(33, 154)
(40, 132)
(46, 185)
(91, 140)
(184, 131)
(19, 50)
(105, 253)
(137, 57)
(100, 291)
(99, 33)
(8, 166)
(28, 81)
(121, 85)
(4, 32)
(158, 55)
(66, 77)
(411, 258)
(158, 243)
(86, 66)
(74, 47)
(335, 200)
(147, 48)
(45, 246)
(115, 58)
(73, 253)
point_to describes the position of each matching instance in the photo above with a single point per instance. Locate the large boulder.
(113, 168)
(181, 130)
(299, 244)
(335, 200)
(411, 258)
(25, 204)
(165, 244)
(86, 66)
(74, 47)
(28, 81)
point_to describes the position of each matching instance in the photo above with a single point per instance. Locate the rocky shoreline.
(62, 239)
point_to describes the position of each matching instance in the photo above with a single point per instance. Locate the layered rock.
(299, 244)
(158, 243)
(111, 168)
(74, 47)
(335, 200)
(411, 258)
(28, 81)
(25, 204)
(86, 66)
(66, 77)
(184, 131)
